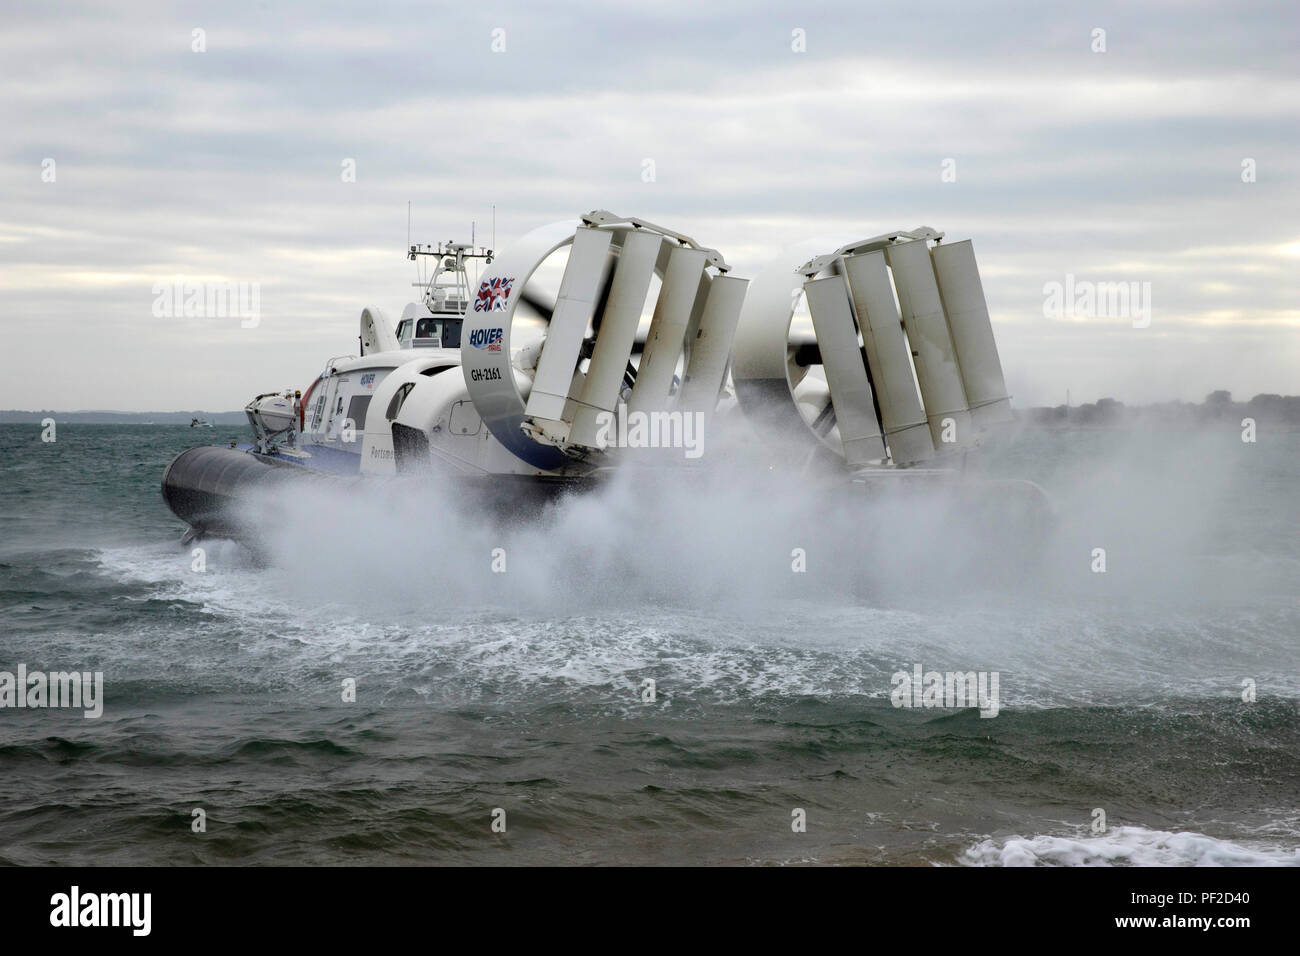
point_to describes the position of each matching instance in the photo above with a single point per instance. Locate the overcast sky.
(1116, 166)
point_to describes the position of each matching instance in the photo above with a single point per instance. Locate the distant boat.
(198, 423)
(150, 423)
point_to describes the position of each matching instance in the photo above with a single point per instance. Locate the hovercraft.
(607, 342)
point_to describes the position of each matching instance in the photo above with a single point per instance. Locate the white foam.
(1127, 846)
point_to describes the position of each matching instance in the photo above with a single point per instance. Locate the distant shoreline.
(15, 417)
(1103, 413)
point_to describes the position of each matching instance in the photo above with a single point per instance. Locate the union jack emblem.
(492, 295)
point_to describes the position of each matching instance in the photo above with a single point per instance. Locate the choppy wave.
(1127, 846)
(526, 690)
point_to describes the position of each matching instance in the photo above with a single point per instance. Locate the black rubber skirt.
(216, 490)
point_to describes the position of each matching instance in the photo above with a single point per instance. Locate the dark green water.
(523, 691)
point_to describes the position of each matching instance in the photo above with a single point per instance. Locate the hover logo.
(103, 909)
(489, 339)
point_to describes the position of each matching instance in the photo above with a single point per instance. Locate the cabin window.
(357, 411)
(451, 334)
(404, 329)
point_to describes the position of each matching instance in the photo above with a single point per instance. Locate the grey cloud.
(227, 163)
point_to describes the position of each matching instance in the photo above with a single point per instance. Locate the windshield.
(431, 331)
